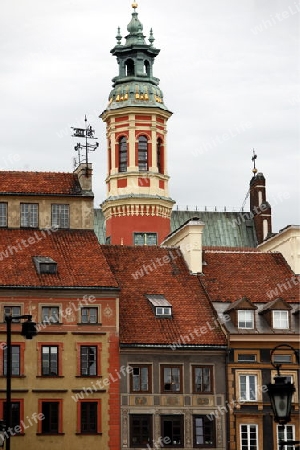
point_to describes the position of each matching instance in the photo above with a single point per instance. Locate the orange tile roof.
(233, 273)
(145, 270)
(39, 183)
(80, 261)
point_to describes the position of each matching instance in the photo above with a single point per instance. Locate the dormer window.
(246, 319)
(44, 264)
(160, 305)
(281, 319)
(159, 311)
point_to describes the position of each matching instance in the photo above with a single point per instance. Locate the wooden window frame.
(211, 374)
(98, 346)
(60, 416)
(60, 346)
(248, 425)
(99, 416)
(21, 359)
(21, 403)
(141, 366)
(149, 418)
(206, 420)
(171, 366)
(174, 417)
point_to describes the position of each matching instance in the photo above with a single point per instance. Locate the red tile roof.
(79, 258)
(39, 183)
(232, 274)
(145, 270)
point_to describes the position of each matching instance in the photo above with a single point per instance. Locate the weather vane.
(86, 133)
(254, 170)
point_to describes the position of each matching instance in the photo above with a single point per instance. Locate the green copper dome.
(135, 84)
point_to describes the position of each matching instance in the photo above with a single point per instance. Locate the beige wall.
(81, 210)
(286, 242)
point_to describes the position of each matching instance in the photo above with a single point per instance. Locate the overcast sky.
(229, 71)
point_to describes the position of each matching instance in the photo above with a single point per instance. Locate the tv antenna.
(83, 150)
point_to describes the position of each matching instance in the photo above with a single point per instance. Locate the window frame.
(29, 213)
(21, 361)
(143, 149)
(282, 434)
(3, 214)
(244, 321)
(60, 348)
(50, 374)
(145, 237)
(42, 423)
(164, 367)
(19, 401)
(172, 418)
(206, 421)
(61, 218)
(275, 321)
(249, 446)
(149, 379)
(13, 357)
(10, 313)
(80, 414)
(98, 358)
(89, 308)
(47, 319)
(211, 380)
(149, 419)
(248, 389)
(123, 150)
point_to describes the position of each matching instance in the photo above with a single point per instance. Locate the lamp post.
(28, 330)
(281, 393)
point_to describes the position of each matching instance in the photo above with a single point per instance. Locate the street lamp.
(281, 393)
(28, 330)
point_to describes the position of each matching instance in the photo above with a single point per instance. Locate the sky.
(229, 71)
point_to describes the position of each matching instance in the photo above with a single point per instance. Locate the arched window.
(123, 154)
(159, 155)
(147, 67)
(129, 65)
(143, 153)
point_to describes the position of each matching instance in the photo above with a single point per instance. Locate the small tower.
(138, 208)
(259, 206)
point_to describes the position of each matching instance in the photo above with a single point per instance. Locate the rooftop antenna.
(85, 133)
(254, 170)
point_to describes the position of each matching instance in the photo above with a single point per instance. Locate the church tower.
(138, 208)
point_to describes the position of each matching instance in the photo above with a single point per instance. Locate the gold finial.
(134, 5)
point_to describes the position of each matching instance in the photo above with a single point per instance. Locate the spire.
(135, 29)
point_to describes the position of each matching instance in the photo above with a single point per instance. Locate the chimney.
(84, 172)
(260, 208)
(189, 239)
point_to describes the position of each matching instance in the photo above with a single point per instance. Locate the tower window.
(129, 65)
(143, 153)
(123, 154)
(145, 239)
(159, 155)
(147, 68)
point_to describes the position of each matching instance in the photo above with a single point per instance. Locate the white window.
(50, 314)
(60, 216)
(29, 215)
(245, 319)
(160, 311)
(3, 214)
(286, 434)
(281, 319)
(248, 387)
(248, 435)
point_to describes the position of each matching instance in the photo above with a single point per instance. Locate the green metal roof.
(222, 229)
